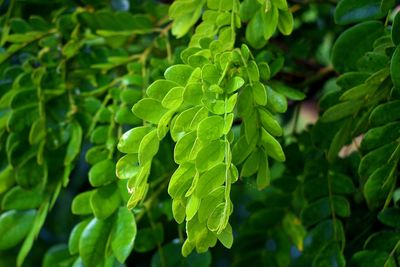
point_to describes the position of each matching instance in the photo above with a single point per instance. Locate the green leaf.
(149, 109)
(396, 29)
(377, 187)
(245, 102)
(269, 123)
(23, 117)
(272, 146)
(251, 164)
(21, 199)
(7, 178)
(395, 68)
(124, 115)
(259, 93)
(351, 79)
(159, 89)
(181, 125)
(100, 135)
(130, 141)
(197, 61)
(380, 136)
(184, 147)
(192, 206)
(234, 84)
(105, 200)
(38, 131)
(127, 166)
(148, 147)
(321, 209)
(341, 110)
(328, 255)
(373, 61)
(211, 179)
(164, 124)
(228, 123)
(178, 210)
(210, 74)
(226, 236)
(224, 5)
(251, 127)
(74, 145)
(181, 180)
(93, 242)
(140, 190)
(263, 174)
(339, 140)
(209, 202)
(131, 96)
(390, 217)
(175, 258)
(210, 128)
(57, 255)
(276, 101)
(14, 226)
(287, 91)
(30, 174)
(375, 159)
(242, 149)
(96, 154)
(34, 232)
(253, 72)
(340, 184)
(174, 98)
(193, 94)
(285, 23)
(148, 238)
(261, 27)
(71, 48)
(102, 173)
(214, 221)
(184, 15)
(74, 237)
(383, 240)
(385, 113)
(348, 11)
(123, 234)
(81, 204)
(358, 92)
(248, 8)
(179, 74)
(354, 43)
(372, 258)
(200, 115)
(210, 155)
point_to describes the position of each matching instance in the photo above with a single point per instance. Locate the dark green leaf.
(354, 43)
(93, 242)
(102, 173)
(105, 200)
(123, 234)
(14, 226)
(349, 11)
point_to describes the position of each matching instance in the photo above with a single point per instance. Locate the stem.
(392, 253)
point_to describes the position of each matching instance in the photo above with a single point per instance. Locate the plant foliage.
(171, 133)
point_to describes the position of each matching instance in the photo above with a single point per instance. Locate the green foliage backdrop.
(171, 133)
